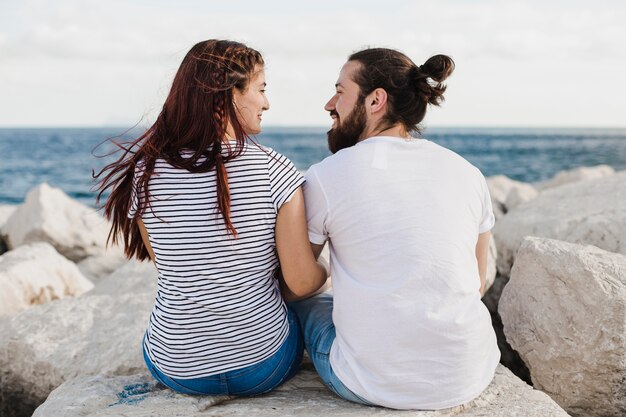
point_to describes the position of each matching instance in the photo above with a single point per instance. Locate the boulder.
(35, 274)
(97, 333)
(304, 395)
(5, 213)
(564, 311)
(519, 195)
(576, 174)
(99, 266)
(588, 212)
(133, 277)
(500, 187)
(49, 215)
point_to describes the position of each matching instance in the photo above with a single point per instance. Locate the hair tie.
(417, 73)
(414, 72)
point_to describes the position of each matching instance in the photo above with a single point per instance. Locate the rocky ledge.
(68, 350)
(305, 395)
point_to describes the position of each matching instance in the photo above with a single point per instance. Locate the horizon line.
(306, 126)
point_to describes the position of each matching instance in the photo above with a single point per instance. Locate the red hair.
(198, 110)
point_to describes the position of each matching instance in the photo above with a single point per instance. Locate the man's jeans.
(316, 319)
(252, 380)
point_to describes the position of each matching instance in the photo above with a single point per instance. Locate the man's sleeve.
(316, 208)
(487, 219)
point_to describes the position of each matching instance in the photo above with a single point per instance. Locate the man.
(408, 226)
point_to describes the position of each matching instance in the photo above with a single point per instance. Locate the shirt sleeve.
(284, 179)
(487, 219)
(316, 205)
(134, 194)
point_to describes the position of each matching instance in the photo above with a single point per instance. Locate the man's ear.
(376, 101)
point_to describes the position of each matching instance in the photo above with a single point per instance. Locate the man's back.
(403, 217)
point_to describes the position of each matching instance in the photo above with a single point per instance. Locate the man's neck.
(397, 131)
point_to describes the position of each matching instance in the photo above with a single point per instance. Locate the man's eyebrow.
(338, 85)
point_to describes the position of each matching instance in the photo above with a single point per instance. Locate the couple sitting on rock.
(236, 232)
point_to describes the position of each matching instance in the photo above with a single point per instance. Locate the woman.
(215, 212)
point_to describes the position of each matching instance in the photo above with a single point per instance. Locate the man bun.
(437, 68)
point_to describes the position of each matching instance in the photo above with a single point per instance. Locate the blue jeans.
(316, 319)
(255, 379)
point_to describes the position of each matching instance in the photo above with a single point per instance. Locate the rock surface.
(564, 311)
(133, 277)
(500, 187)
(588, 212)
(49, 215)
(97, 333)
(519, 195)
(576, 174)
(35, 274)
(305, 395)
(5, 213)
(97, 267)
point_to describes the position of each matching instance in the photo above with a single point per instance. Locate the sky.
(544, 63)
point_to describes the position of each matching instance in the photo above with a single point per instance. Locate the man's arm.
(482, 255)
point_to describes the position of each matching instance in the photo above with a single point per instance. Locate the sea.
(67, 157)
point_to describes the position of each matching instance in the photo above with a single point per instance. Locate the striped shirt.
(218, 307)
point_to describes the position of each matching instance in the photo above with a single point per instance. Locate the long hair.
(410, 88)
(197, 112)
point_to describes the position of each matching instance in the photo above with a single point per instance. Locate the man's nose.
(330, 106)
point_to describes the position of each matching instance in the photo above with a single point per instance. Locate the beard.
(348, 131)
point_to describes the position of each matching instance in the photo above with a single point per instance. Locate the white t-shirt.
(402, 218)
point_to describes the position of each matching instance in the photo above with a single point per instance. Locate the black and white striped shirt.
(218, 307)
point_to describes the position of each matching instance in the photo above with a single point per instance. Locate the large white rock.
(49, 215)
(304, 395)
(588, 212)
(35, 274)
(500, 187)
(576, 174)
(133, 277)
(5, 212)
(99, 266)
(564, 311)
(519, 195)
(97, 333)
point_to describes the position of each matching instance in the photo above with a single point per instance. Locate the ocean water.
(65, 157)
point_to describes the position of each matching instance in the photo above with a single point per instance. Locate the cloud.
(89, 62)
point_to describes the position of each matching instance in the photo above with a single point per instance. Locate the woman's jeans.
(316, 318)
(252, 380)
